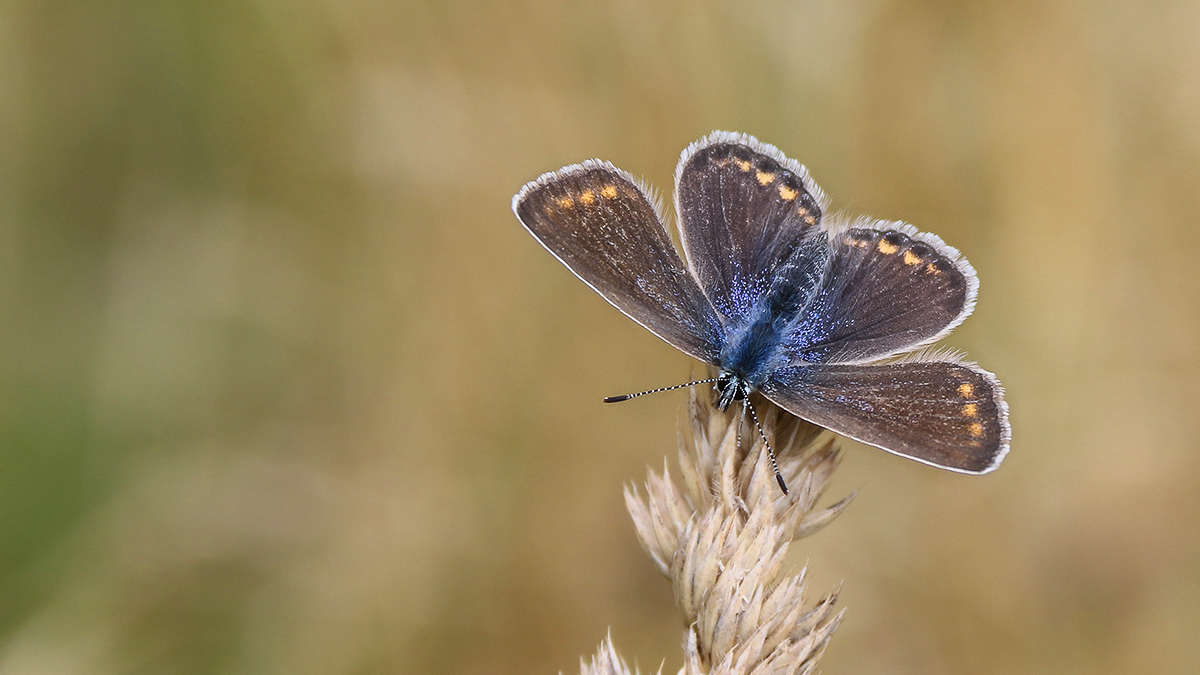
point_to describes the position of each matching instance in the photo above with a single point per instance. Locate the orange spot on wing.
(932, 269)
(764, 178)
(587, 197)
(565, 202)
(911, 258)
(742, 164)
(787, 193)
(976, 429)
(609, 192)
(966, 390)
(970, 410)
(886, 248)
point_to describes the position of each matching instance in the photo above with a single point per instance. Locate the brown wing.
(948, 414)
(596, 220)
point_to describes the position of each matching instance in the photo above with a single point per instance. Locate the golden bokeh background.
(285, 387)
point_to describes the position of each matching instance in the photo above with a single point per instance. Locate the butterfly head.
(730, 387)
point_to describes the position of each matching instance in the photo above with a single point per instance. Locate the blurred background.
(285, 388)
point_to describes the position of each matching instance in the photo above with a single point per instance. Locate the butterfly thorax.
(752, 350)
(761, 315)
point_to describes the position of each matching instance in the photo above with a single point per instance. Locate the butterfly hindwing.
(596, 220)
(944, 413)
(744, 208)
(888, 290)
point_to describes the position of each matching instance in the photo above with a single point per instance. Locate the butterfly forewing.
(886, 291)
(602, 226)
(743, 209)
(948, 414)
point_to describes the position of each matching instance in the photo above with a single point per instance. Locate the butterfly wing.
(744, 208)
(888, 289)
(943, 413)
(598, 222)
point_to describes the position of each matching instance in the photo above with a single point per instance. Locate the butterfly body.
(782, 299)
(753, 351)
(755, 346)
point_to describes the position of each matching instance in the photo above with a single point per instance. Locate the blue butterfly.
(806, 309)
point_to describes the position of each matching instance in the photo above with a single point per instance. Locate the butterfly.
(807, 309)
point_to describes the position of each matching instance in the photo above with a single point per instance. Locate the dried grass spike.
(720, 532)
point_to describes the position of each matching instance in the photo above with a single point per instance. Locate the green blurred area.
(285, 388)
